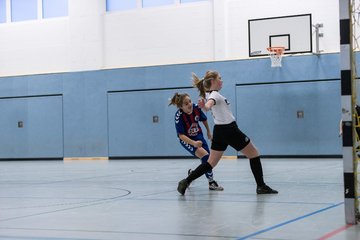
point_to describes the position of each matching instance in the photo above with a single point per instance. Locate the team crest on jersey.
(193, 130)
(197, 118)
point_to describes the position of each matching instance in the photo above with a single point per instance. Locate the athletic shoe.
(214, 186)
(265, 190)
(183, 184)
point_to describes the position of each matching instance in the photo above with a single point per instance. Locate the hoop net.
(276, 54)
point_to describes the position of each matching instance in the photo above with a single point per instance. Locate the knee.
(212, 162)
(256, 152)
(251, 152)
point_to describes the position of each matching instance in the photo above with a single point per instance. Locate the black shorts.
(229, 134)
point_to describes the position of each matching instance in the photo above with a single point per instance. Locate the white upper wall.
(34, 47)
(91, 39)
(161, 35)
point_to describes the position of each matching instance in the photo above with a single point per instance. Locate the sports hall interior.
(88, 146)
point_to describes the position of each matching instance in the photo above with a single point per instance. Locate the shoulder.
(195, 106)
(178, 115)
(197, 110)
(214, 94)
(179, 112)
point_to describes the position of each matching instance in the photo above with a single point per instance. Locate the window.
(2, 11)
(188, 1)
(155, 3)
(120, 5)
(55, 8)
(22, 10)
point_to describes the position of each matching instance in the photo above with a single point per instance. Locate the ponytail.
(199, 84)
(204, 84)
(178, 99)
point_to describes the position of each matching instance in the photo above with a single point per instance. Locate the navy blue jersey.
(188, 124)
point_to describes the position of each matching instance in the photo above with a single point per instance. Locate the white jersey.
(221, 110)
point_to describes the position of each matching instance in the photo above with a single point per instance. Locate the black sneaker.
(214, 186)
(183, 184)
(265, 190)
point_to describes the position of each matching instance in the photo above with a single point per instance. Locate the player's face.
(187, 106)
(217, 83)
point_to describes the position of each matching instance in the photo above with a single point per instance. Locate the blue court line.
(289, 221)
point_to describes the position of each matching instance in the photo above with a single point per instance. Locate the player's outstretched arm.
(208, 131)
(206, 106)
(190, 141)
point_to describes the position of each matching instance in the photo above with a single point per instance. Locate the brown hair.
(178, 99)
(204, 84)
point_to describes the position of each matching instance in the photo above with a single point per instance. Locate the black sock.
(256, 169)
(200, 170)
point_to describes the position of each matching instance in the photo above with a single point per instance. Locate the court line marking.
(85, 204)
(336, 231)
(42, 238)
(288, 222)
(121, 232)
(245, 237)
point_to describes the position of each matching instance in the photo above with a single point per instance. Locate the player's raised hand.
(201, 103)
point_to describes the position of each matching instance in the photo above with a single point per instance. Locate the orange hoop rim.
(277, 50)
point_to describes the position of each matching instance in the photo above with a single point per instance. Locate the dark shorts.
(229, 134)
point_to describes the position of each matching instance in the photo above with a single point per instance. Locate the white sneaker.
(214, 186)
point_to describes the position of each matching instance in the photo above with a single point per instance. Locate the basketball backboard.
(292, 32)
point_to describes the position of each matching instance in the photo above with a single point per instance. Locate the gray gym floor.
(137, 199)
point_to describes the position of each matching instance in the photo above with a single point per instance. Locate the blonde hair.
(178, 99)
(204, 84)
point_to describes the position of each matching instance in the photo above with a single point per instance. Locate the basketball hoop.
(276, 54)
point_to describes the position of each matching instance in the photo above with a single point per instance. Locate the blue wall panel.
(42, 133)
(94, 104)
(132, 131)
(268, 114)
(85, 116)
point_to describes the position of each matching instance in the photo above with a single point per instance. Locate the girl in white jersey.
(226, 132)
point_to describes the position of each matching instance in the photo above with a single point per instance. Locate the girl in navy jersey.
(187, 123)
(226, 132)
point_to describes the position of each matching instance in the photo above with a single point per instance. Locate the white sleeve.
(214, 96)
